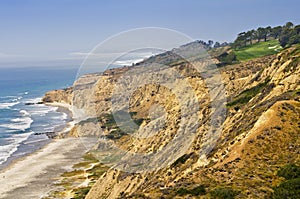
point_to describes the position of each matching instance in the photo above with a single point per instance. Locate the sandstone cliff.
(259, 126)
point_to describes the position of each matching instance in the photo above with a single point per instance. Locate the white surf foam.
(42, 110)
(24, 113)
(18, 124)
(7, 150)
(17, 99)
(34, 100)
(7, 105)
(38, 109)
(11, 97)
(63, 116)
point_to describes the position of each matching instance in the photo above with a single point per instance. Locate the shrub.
(288, 189)
(115, 134)
(291, 187)
(224, 193)
(227, 58)
(81, 192)
(197, 191)
(290, 171)
(182, 191)
(248, 94)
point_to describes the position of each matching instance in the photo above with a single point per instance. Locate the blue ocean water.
(18, 121)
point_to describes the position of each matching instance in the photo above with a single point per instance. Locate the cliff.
(259, 127)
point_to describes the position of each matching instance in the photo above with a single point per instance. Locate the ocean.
(20, 115)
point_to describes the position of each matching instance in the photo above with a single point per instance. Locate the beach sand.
(33, 176)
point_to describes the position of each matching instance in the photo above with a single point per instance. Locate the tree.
(242, 38)
(227, 58)
(217, 45)
(252, 35)
(210, 43)
(294, 38)
(289, 37)
(263, 33)
(284, 38)
(297, 29)
(267, 32)
(255, 36)
(224, 44)
(276, 31)
(260, 33)
(289, 25)
(249, 36)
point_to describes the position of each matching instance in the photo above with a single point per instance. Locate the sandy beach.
(33, 176)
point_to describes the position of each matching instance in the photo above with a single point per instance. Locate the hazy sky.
(59, 32)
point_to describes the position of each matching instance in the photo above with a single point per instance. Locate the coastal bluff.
(259, 133)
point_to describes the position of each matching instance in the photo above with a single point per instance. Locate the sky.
(61, 32)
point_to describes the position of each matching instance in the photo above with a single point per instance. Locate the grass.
(258, 50)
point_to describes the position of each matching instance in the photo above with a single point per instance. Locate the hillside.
(258, 50)
(259, 128)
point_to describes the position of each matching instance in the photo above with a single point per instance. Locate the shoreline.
(33, 175)
(40, 141)
(70, 123)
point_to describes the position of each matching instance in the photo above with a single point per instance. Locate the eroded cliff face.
(259, 128)
(61, 96)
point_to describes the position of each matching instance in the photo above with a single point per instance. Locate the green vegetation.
(109, 122)
(247, 95)
(181, 160)
(89, 120)
(97, 171)
(80, 193)
(258, 43)
(89, 169)
(258, 50)
(115, 134)
(227, 58)
(120, 115)
(73, 173)
(290, 188)
(224, 193)
(287, 35)
(197, 191)
(290, 171)
(119, 130)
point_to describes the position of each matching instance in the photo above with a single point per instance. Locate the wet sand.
(33, 176)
